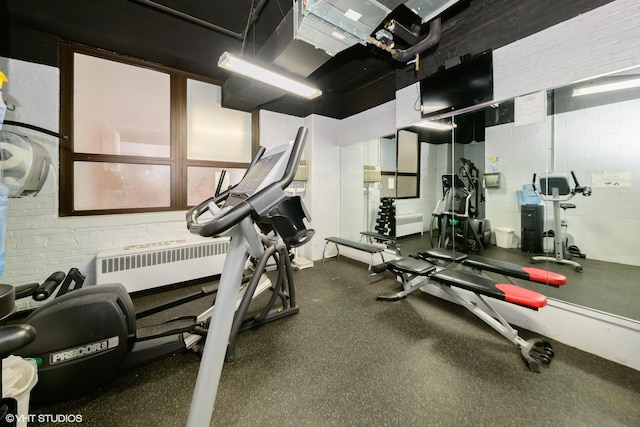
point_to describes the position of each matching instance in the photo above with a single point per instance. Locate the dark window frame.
(178, 161)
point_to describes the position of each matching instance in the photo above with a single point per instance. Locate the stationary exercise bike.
(556, 187)
(89, 334)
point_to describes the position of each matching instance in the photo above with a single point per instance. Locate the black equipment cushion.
(378, 236)
(483, 285)
(411, 265)
(443, 254)
(355, 245)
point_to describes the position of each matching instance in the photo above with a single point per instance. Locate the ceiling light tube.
(251, 70)
(607, 87)
(428, 124)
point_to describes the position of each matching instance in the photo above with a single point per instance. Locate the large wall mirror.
(590, 130)
(377, 175)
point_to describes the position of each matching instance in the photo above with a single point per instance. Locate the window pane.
(408, 153)
(215, 133)
(407, 186)
(202, 182)
(120, 109)
(121, 185)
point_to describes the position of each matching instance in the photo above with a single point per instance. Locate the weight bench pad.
(378, 236)
(514, 270)
(443, 254)
(485, 286)
(411, 265)
(355, 245)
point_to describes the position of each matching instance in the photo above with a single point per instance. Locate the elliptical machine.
(258, 200)
(556, 187)
(89, 334)
(458, 224)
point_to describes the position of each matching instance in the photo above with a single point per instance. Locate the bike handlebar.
(585, 191)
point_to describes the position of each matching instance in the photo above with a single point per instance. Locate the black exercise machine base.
(416, 273)
(536, 351)
(542, 258)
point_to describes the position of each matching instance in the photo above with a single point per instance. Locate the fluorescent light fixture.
(610, 73)
(428, 124)
(430, 108)
(353, 15)
(249, 69)
(607, 87)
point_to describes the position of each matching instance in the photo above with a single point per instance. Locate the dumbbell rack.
(386, 221)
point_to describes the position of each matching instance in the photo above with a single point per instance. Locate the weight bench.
(371, 236)
(534, 351)
(506, 269)
(373, 250)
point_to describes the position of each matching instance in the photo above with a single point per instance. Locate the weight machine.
(458, 223)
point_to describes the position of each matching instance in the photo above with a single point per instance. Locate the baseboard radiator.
(410, 223)
(142, 267)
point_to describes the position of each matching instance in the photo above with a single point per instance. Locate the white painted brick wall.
(408, 105)
(599, 41)
(373, 123)
(586, 141)
(276, 128)
(324, 183)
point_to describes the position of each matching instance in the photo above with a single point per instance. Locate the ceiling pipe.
(404, 55)
(198, 21)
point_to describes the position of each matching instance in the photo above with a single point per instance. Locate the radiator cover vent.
(142, 267)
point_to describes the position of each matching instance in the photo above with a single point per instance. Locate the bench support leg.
(407, 288)
(533, 352)
(325, 248)
(370, 268)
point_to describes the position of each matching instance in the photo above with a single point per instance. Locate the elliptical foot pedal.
(536, 352)
(170, 327)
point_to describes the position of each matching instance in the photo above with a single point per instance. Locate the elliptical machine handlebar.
(45, 290)
(259, 202)
(221, 222)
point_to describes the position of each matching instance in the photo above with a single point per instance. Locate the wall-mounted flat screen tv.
(460, 86)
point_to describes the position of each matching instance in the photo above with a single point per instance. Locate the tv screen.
(461, 86)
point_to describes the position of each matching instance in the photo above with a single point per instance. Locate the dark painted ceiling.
(354, 80)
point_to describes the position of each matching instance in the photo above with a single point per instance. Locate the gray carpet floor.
(349, 360)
